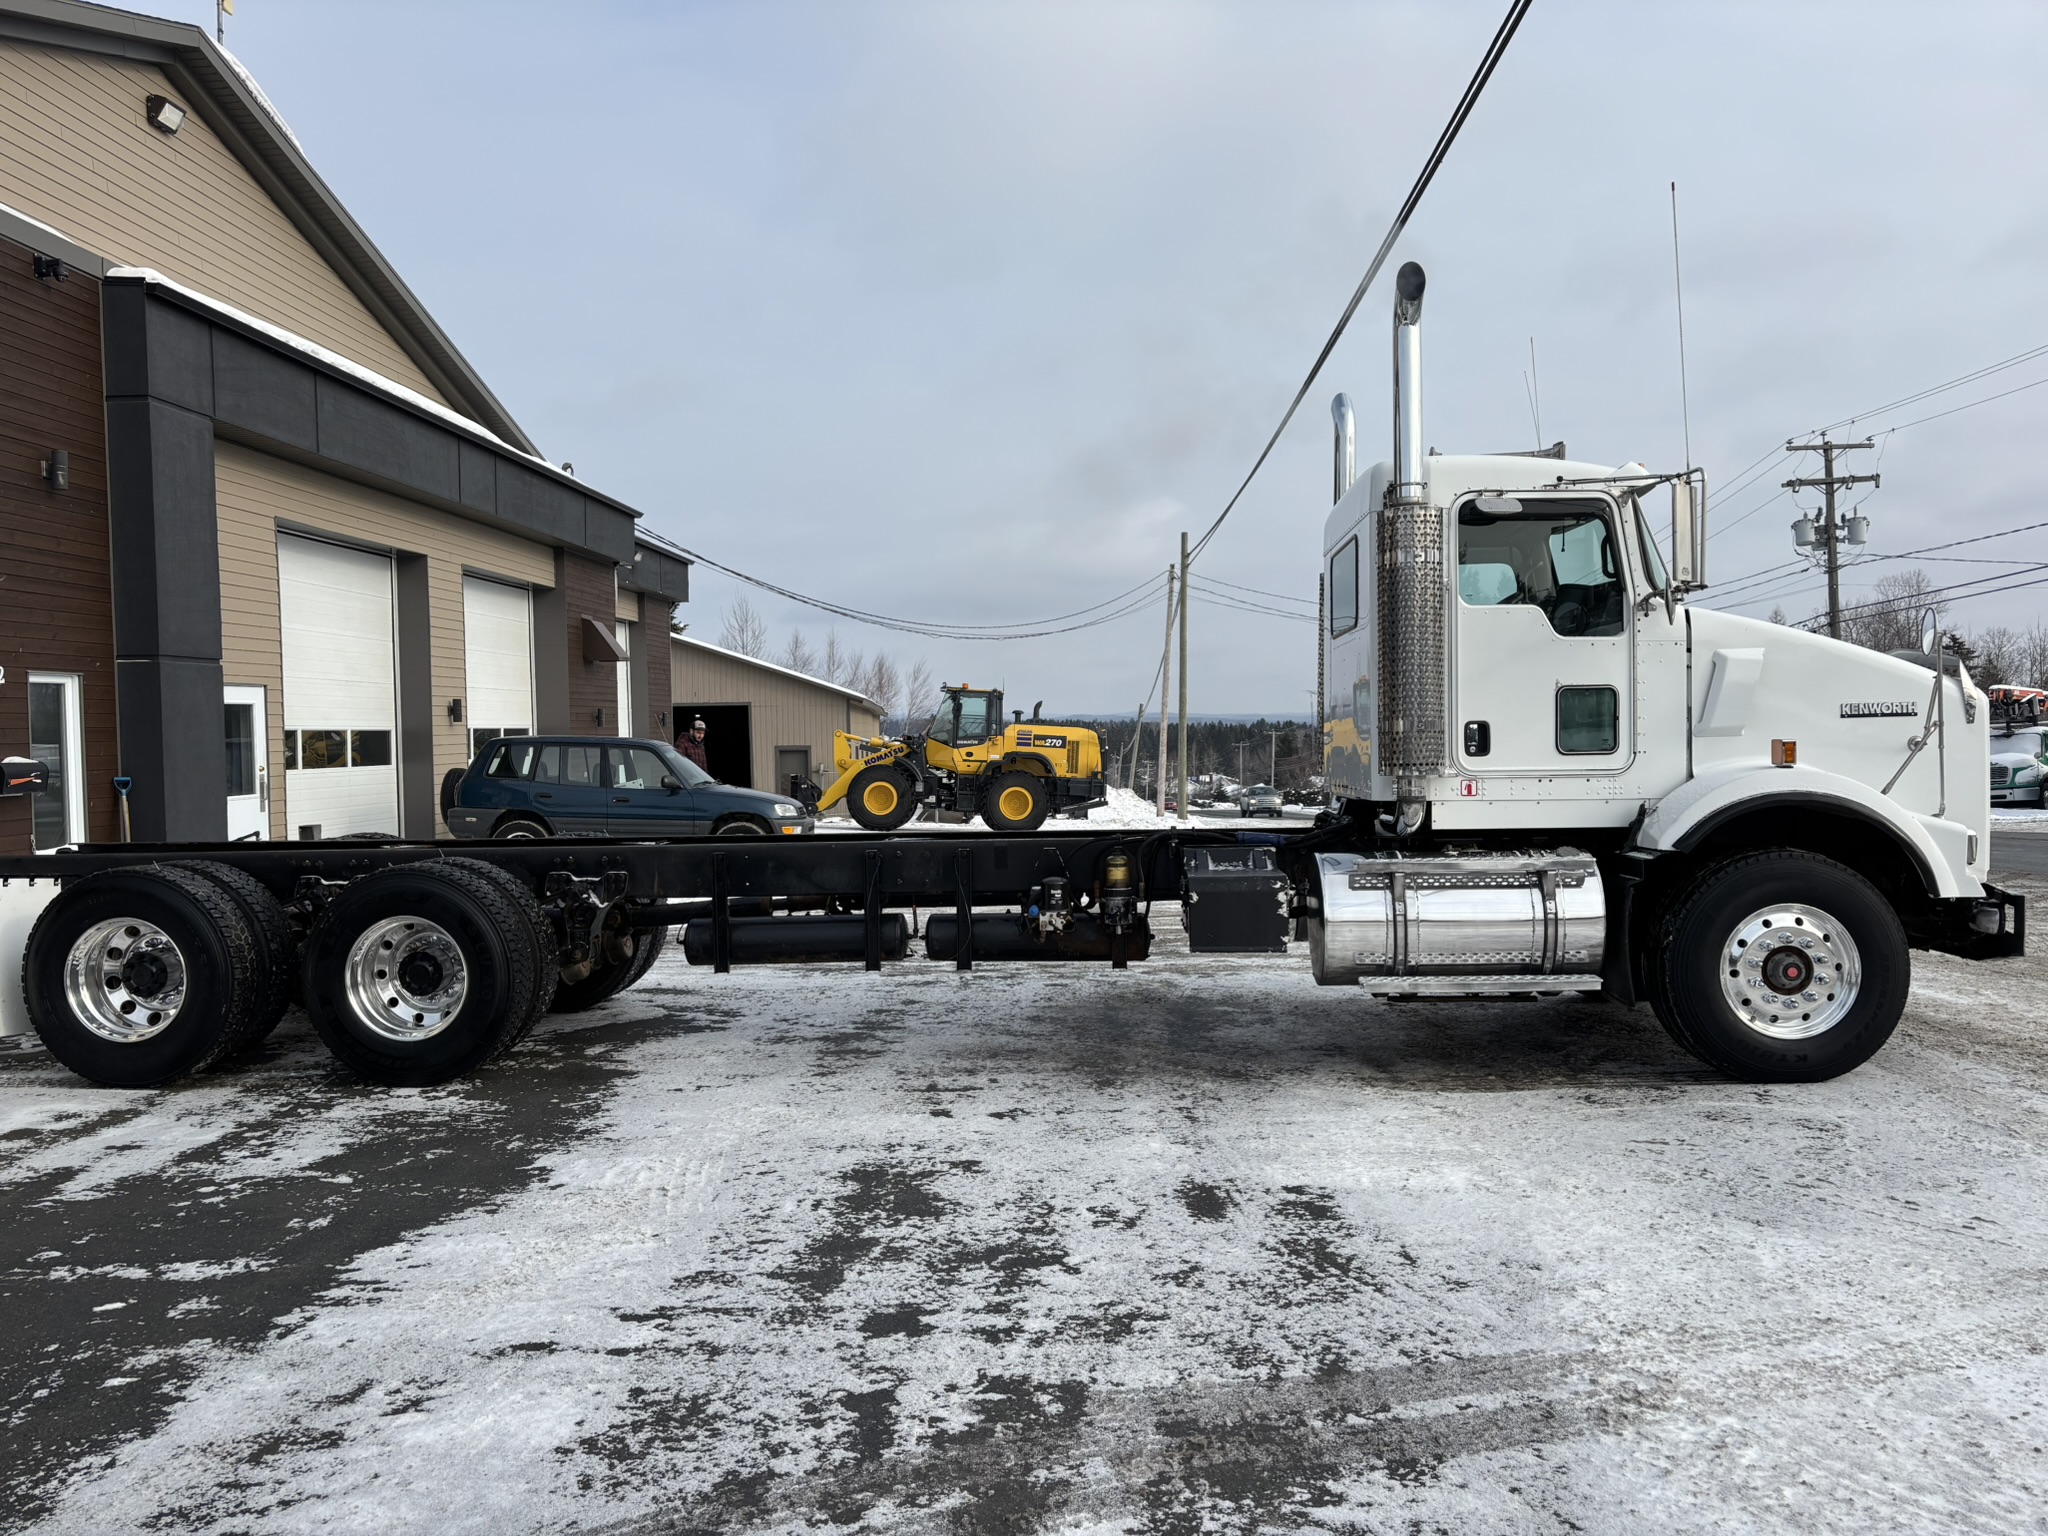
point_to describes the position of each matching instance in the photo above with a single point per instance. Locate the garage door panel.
(335, 610)
(498, 653)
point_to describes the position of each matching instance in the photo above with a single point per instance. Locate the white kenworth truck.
(1549, 775)
(1565, 777)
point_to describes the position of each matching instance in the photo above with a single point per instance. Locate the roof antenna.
(222, 10)
(1535, 393)
(1678, 288)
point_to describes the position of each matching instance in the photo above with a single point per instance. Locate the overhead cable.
(1494, 50)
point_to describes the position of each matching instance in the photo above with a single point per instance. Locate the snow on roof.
(335, 360)
(755, 661)
(249, 84)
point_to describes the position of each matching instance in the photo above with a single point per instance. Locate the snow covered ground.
(1196, 1247)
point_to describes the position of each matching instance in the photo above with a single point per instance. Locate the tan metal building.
(764, 723)
(272, 555)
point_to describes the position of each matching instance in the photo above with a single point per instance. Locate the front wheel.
(1781, 967)
(880, 799)
(1017, 802)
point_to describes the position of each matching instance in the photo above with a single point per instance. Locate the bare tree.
(2031, 670)
(1999, 656)
(1778, 614)
(745, 630)
(797, 655)
(920, 693)
(880, 681)
(1889, 620)
(832, 661)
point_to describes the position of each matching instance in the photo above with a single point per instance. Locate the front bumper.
(796, 826)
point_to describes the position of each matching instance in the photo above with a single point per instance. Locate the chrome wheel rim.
(125, 980)
(405, 978)
(1790, 971)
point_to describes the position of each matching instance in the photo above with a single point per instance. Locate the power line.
(1494, 51)
(1307, 602)
(1968, 378)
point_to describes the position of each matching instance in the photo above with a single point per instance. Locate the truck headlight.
(784, 808)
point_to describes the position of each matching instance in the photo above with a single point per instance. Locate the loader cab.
(967, 717)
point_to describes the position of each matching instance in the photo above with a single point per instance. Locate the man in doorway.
(691, 744)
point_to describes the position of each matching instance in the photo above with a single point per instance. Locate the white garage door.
(340, 689)
(497, 630)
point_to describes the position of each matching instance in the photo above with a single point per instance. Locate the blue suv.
(602, 786)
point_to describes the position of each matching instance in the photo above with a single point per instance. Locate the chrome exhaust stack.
(1411, 586)
(1346, 423)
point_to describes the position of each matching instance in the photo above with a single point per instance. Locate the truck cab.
(1514, 672)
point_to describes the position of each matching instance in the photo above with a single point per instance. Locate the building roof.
(769, 666)
(215, 86)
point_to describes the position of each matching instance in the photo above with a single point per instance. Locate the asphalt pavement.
(2019, 853)
(1196, 1247)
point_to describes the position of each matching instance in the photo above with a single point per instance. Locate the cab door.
(1543, 673)
(962, 737)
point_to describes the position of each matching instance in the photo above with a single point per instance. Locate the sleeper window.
(1344, 588)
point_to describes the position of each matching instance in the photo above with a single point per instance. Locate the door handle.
(542, 794)
(1478, 738)
(622, 800)
(263, 786)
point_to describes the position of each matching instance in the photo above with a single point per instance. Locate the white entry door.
(248, 741)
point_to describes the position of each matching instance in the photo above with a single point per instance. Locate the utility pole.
(1831, 530)
(1184, 594)
(1165, 687)
(1273, 757)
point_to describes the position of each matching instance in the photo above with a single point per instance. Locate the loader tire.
(1780, 967)
(1016, 802)
(881, 799)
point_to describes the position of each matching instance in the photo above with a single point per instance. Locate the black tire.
(1006, 796)
(470, 948)
(1709, 953)
(519, 828)
(867, 799)
(743, 826)
(450, 782)
(208, 940)
(277, 946)
(547, 974)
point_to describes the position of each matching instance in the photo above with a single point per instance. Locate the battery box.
(1235, 901)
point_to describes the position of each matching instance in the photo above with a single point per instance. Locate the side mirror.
(671, 783)
(1688, 534)
(1930, 633)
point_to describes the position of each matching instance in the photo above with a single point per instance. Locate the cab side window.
(973, 719)
(1559, 556)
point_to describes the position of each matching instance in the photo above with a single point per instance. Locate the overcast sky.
(963, 311)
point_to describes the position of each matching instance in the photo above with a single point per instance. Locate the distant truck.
(2019, 745)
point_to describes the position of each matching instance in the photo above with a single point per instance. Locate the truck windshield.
(1558, 556)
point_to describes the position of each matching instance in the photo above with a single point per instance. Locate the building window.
(55, 735)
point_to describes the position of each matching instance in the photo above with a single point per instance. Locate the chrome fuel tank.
(1480, 914)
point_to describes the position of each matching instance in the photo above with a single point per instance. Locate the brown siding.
(56, 607)
(76, 153)
(656, 620)
(591, 590)
(786, 710)
(255, 493)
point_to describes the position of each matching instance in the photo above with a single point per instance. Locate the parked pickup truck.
(602, 786)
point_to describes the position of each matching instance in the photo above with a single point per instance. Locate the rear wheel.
(450, 782)
(1781, 967)
(1016, 802)
(135, 977)
(880, 799)
(277, 947)
(519, 829)
(547, 975)
(421, 972)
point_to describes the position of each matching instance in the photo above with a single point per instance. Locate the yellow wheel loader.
(967, 760)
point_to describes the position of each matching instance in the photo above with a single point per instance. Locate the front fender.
(1689, 813)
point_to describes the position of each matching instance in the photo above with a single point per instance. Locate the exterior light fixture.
(57, 470)
(164, 114)
(455, 711)
(1802, 533)
(597, 717)
(50, 269)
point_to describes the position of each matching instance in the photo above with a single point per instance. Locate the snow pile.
(2019, 821)
(1126, 809)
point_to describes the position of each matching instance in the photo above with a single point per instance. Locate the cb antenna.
(1678, 287)
(1535, 393)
